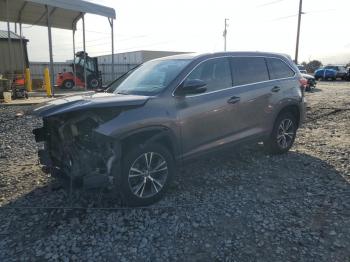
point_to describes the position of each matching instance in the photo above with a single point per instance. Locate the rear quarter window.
(279, 69)
(248, 70)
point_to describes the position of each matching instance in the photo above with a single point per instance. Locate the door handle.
(275, 89)
(233, 100)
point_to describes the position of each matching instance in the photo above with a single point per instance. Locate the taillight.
(303, 85)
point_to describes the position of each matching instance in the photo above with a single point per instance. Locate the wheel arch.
(154, 134)
(293, 109)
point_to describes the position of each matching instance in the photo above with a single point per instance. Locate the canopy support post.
(22, 46)
(85, 78)
(74, 28)
(74, 68)
(50, 48)
(9, 40)
(112, 35)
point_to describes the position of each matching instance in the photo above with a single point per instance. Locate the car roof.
(194, 56)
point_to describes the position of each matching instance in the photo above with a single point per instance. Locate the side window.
(90, 65)
(247, 70)
(279, 69)
(215, 72)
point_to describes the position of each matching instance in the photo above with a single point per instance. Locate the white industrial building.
(123, 62)
(135, 57)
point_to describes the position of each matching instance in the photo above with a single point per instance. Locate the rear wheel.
(146, 174)
(283, 134)
(68, 84)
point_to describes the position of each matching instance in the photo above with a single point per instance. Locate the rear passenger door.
(251, 81)
(283, 83)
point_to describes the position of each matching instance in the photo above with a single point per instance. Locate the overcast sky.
(197, 25)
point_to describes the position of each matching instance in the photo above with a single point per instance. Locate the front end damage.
(73, 147)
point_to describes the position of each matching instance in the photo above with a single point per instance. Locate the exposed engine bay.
(74, 148)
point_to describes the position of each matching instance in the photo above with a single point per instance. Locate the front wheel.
(146, 174)
(67, 84)
(283, 134)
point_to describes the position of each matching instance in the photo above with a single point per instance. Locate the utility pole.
(298, 31)
(225, 33)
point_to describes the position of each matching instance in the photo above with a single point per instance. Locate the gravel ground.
(241, 205)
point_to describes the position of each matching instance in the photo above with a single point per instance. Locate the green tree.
(313, 65)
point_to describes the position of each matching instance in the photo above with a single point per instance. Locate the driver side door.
(205, 119)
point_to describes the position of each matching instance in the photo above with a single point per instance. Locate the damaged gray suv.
(132, 136)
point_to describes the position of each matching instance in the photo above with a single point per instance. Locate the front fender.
(154, 133)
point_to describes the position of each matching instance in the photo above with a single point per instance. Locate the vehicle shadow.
(315, 89)
(217, 198)
(230, 170)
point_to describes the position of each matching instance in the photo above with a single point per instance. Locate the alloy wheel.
(285, 133)
(148, 174)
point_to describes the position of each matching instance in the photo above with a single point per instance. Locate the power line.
(282, 18)
(270, 3)
(308, 12)
(102, 39)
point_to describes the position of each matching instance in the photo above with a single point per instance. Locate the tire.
(275, 143)
(138, 189)
(308, 88)
(67, 84)
(93, 83)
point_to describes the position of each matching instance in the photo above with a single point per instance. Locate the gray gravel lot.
(239, 205)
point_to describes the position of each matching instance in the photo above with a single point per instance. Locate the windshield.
(112, 86)
(150, 78)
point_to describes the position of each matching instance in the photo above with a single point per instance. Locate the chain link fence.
(37, 70)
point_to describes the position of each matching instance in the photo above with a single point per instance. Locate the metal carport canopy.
(64, 13)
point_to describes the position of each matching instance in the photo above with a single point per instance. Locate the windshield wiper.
(121, 93)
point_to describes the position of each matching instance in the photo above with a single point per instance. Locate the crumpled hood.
(86, 101)
(307, 76)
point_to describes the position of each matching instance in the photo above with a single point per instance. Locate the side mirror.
(194, 86)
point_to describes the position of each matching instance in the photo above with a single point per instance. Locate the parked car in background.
(348, 73)
(168, 111)
(341, 71)
(325, 74)
(302, 69)
(311, 81)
